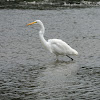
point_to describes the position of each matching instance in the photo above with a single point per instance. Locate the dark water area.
(29, 72)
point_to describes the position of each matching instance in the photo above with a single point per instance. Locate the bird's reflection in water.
(58, 73)
(57, 62)
(65, 67)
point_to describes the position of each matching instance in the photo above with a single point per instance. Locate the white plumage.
(56, 46)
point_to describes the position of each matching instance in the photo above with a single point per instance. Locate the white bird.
(55, 46)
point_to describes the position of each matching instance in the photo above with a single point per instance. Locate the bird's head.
(37, 21)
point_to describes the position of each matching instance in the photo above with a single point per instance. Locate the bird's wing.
(59, 47)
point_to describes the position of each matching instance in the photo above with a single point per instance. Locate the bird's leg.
(56, 57)
(70, 57)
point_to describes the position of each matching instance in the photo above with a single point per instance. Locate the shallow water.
(29, 72)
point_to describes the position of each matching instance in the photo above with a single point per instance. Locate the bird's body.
(56, 46)
(60, 47)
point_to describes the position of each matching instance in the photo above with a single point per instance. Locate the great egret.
(56, 46)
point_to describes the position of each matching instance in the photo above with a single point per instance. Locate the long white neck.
(41, 35)
(42, 30)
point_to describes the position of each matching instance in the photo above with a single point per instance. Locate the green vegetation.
(53, 1)
(59, 0)
(47, 4)
(49, 0)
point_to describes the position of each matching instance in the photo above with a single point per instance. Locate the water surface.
(29, 72)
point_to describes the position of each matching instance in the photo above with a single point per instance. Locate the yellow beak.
(31, 23)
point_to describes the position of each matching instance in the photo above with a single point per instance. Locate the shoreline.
(48, 6)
